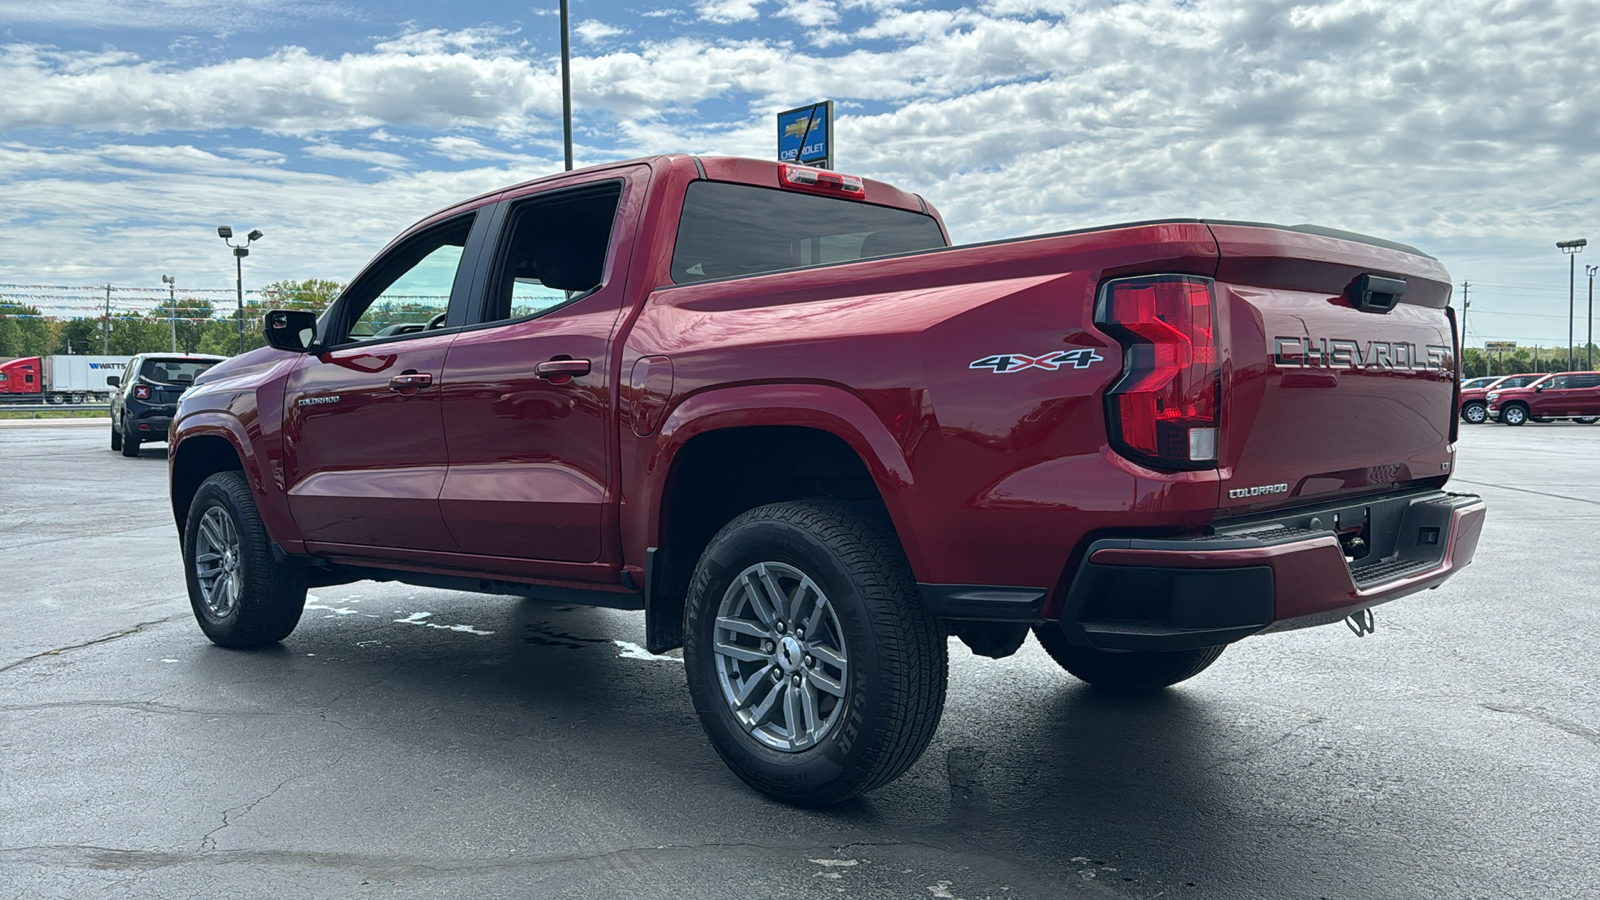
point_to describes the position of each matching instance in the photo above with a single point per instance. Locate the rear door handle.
(560, 371)
(410, 382)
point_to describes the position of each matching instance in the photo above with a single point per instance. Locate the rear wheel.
(1475, 413)
(239, 596)
(1515, 414)
(130, 441)
(1129, 672)
(815, 669)
(1587, 420)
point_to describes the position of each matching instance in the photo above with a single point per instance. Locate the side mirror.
(290, 329)
(113, 380)
(1538, 387)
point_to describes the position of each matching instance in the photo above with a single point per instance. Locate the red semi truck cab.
(770, 407)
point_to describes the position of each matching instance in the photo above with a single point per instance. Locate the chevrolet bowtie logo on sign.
(805, 135)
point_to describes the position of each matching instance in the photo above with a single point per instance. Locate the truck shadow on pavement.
(557, 711)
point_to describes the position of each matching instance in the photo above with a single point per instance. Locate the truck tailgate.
(1325, 399)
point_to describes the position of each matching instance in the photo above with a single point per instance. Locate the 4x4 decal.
(1006, 363)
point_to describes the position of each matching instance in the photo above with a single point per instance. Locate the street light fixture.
(1571, 249)
(240, 251)
(172, 307)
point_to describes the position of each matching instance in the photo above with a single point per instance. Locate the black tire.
(1515, 414)
(1475, 413)
(130, 441)
(1132, 672)
(1587, 420)
(269, 597)
(116, 438)
(892, 689)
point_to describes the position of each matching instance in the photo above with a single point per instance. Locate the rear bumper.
(1267, 575)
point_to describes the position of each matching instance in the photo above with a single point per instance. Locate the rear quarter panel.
(1006, 472)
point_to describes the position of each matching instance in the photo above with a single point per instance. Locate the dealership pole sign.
(805, 135)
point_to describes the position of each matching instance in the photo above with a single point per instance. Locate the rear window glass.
(174, 371)
(738, 229)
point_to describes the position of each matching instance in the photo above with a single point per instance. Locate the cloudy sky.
(1469, 128)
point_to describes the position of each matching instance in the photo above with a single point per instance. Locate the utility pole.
(105, 346)
(172, 308)
(1465, 305)
(1590, 271)
(566, 87)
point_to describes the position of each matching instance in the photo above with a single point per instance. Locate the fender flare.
(214, 423)
(824, 407)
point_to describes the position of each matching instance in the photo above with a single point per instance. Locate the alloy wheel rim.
(216, 562)
(1475, 414)
(781, 657)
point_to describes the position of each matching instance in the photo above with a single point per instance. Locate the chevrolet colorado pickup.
(771, 408)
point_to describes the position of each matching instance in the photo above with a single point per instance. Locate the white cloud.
(729, 10)
(595, 31)
(377, 159)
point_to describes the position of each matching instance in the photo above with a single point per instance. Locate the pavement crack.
(104, 639)
(1544, 718)
(208, 840)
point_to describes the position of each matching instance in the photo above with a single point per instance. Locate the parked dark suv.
(147, 396)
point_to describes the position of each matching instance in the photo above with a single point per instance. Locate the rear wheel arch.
(194, 460)
(720, 473)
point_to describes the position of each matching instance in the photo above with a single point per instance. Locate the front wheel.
(1515, 414)
(815, 669)
(116, 437)
(239, 597)
(1474, 413)
(1587, 420)
(1126, 672)
(129, 443)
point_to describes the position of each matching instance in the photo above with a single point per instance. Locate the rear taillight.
(141, 392)
(1165, 409)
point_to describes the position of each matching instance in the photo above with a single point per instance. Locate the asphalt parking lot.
(406, 742)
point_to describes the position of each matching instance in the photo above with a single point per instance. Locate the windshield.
(174, 371)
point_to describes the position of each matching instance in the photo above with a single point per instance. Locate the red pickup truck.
(771, 408)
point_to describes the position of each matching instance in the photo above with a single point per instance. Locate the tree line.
(194, 325)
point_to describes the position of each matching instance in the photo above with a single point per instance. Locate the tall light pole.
(172, 307)
(1571, 249)
(1590, 271)
(239, 253)
(566, 87)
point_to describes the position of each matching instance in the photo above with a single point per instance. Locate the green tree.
(23, 332)
(314, 294)
(78, 336)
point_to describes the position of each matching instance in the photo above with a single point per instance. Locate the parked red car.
(1474, 404)
(1567, 395)
(769, 407)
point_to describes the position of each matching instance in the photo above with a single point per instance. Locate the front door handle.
(561, 371)
(410, 382)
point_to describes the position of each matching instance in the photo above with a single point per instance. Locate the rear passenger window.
(738, 229)
(555, 252)
(1584, 381)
